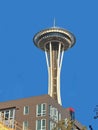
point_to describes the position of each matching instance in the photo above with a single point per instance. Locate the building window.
(8, 117)
(51, 125)
(26, 110)
(53, 113)
(25, 125)
(41, 109)
(41, 124)
(50, 110)
(59, 116)
(7, 114)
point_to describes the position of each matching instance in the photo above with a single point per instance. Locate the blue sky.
(23, 70)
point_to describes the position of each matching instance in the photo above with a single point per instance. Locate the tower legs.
(54, 58)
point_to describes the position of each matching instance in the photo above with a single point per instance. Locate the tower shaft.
(54, 57)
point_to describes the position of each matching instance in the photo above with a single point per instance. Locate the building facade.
(34, 113)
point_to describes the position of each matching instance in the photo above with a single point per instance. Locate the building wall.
(32, 102)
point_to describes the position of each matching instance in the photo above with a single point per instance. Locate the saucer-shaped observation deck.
(54, 35)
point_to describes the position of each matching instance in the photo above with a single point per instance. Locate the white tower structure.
(54, 41)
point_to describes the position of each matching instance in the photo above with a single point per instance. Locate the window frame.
(24, 110)
(41, 124)
(54, 113)
(8, 117)
(51, 124)
(59, 116)
(42, 109)
(24, 125)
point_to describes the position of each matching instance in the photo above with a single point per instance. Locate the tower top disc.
(54, 35)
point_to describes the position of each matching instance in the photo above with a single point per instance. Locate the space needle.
(54, 41)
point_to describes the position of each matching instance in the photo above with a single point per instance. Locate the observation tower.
(54, 41)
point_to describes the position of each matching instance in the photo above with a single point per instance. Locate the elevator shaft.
(54, 74)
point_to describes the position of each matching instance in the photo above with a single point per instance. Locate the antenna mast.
(54, 23)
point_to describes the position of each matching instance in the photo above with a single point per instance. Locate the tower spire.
(54, 23)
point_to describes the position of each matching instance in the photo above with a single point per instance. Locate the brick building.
(35, 113)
